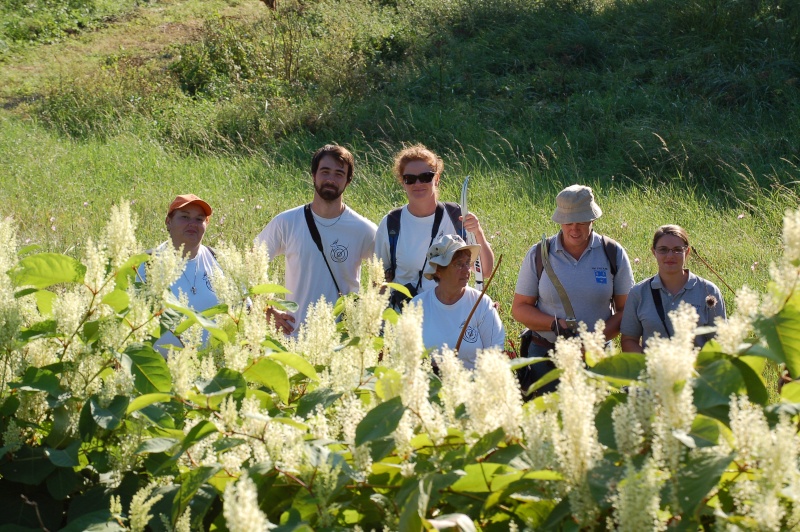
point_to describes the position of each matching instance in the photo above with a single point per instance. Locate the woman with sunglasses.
(650, 302)
(418, 170)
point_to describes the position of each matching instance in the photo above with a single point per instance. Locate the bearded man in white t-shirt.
(332, 267)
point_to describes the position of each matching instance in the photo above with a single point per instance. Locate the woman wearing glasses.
(650, 302)
(403, 252)
(446, 307)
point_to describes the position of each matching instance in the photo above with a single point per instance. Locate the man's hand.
(282, 320)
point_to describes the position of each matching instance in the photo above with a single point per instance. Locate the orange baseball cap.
(186, 199)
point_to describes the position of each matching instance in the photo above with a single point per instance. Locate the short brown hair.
(417, 152)
(339, 153)
(674, 230)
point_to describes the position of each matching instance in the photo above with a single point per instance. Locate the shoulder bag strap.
(437, 220)
(312, 228)
(562, 294)
(659, 306)
(393, 228)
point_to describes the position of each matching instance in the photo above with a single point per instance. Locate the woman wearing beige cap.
(447, 306)
(186, 221)
(592, 279)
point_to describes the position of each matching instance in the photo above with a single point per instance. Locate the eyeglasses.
(424, 177)
(675, 251)
(460, 265)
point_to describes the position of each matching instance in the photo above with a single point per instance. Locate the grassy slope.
(59, 188)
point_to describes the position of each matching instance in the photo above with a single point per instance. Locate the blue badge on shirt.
(600, 277)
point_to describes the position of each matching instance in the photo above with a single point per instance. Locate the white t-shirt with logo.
(442, 324)
(412, 245)
(347, 241)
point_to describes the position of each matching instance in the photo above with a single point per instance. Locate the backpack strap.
(312, 228)
(611, 248)
(656, 293)
(454, 211)
(393, 228)
(537, 256)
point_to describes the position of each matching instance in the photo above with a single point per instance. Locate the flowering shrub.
(348, 426)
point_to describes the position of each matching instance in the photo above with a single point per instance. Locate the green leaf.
(117, 299)
(308, 403)
(380, 421)
(156, 445)
(389, 383)
(705, 431)
(604, 421)
(620, 369)
(267, 289)
(46, 269)
(190, 482)
(790, 392)
(697, 477)
(67, 457)
(782, 332)
(149, 369)
(400, 288)
(478, 477)
(63, 482)
(715, 384)
(44, 301)
(127, 270)
(486, 444)
(754, 382)
(29, 466)
(147, 400)
(171, 302)
(225, 381)
(296, 362)
(200, 431)
(40, 380)
(270, 374)
(111, 416)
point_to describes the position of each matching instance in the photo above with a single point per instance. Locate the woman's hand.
(283, 320)
(473, 225)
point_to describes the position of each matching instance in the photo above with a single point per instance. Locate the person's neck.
(422, 208)
(449, 296)
(673, 282)
(327, 209)
(575, 250)
(190, 252)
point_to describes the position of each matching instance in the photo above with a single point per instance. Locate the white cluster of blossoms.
(773, 486)
(633, 421)
(240, 508)
(733, 331)
(184, 366)
(669, 376)
(538, 429)
(637, 501)
(495, 400)
(594, 342)
(317, 338)
(162, 270)
(10, 314)
(576, 443)
(141, 504)
(456, 385)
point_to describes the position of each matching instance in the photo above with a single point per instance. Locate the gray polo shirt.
(641, 319)
(587, 281)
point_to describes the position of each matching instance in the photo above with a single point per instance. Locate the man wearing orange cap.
(187, 219)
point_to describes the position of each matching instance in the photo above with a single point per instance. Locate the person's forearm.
(630, 345)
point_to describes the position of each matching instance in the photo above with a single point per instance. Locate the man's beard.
(327, 193)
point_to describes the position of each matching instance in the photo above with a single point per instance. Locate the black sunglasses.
(424, 177)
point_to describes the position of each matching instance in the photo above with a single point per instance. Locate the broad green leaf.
(171, 302)
(282, 304)
(40, 380)
(44, 301)
(486, 444)
(620, 369)
(108, 417)
(117, 299)
(267, 289)
(605, 423)
(291, 422)
(270, 374)
(697, 477)
(224, 382)
(790, 392)
(715, 384)
(67, 457)
(560, 513)
(190, 482)
(323, 396)
(758, 350)
(63, 482)
(149, 369)
(782, 332)
(147, 400)
(478, 477)
(42, 329)
(29, 466)
(46, 269)
(754, 382)
(156, 445)
(91, 332)
(297, 363)
(522, 362)
(705, 431)
(127, 270)
(380, 421)
(400, 288)
(200, 431)
(389, 383)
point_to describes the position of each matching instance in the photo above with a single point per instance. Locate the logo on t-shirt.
(338, 252)
(471, 334)
(600, 277)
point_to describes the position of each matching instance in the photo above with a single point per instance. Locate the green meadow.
(672, 113)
